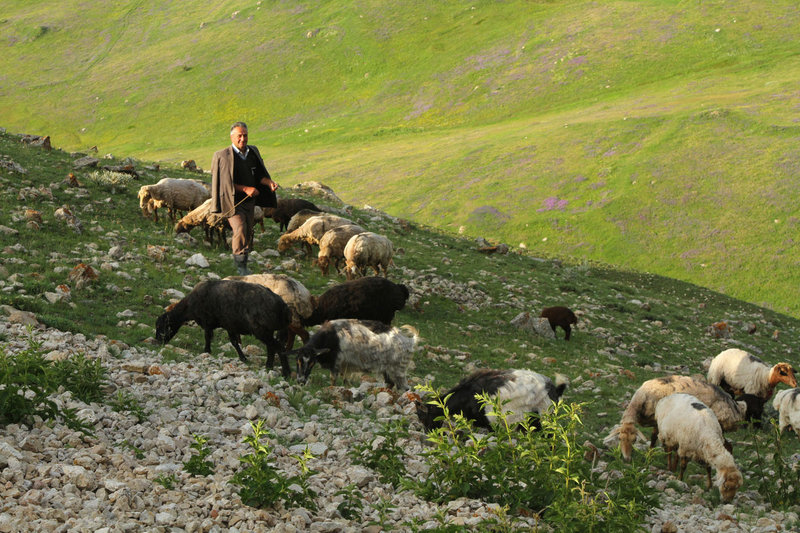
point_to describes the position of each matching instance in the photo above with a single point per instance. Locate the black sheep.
(521, 392)
(239, 308)
(560, 316)
(370, 298)
(286, 209)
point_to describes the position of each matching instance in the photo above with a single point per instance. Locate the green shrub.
(82, 376)
(540, 471)
(775, 474)
(167, 481)
(197, 464)
(27, 380)
(262, 485)
(388, 458)
(125, 402)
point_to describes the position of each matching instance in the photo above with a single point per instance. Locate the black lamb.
(369, 298)
(286, 209)
(239, 308)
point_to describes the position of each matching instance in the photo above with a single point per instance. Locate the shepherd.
(239, 183)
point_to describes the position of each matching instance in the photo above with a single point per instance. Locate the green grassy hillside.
(632, 326)
(658, 136)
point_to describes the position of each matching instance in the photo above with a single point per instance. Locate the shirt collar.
(241, 154)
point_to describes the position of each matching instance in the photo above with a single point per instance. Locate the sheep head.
(323, 261)
(166, 328)
(627, 436)
(782, 373)
(729, 479)
(306, 359)
(283, 243)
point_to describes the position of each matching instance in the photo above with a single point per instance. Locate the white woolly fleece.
(526, 393)
(740, 371)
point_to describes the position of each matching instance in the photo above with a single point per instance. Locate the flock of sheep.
(688, 415)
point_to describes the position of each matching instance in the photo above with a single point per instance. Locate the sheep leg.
(684, 462)
(654, 437)
(209, 335)
(708, 477)
(568, 330)
(274, 346)
(236, 341)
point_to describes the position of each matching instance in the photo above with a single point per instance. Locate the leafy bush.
(533, 471)
(27, 380)
(167, 481)
(262, 485)
(777, 477)
(124, 401)
(387, 458)
(82, 376)
(197, 464)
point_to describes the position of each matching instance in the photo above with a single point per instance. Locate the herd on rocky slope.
(355, 335)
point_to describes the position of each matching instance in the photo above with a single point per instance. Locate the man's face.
(239, 137)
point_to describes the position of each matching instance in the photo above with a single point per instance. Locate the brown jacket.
(222, 189)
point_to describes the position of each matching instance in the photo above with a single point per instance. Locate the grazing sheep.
(739, 372)
(331, 245)
(311, 231)
(370, 298)
(688, 425)
(788, 407)
(177, 195)
(299, 218)
(520, 392)
(239, 308)
(559, 316)
(293, 293)
(287, 208)
(212, 223)
(367, 250)
(641, 408)
(348, 345)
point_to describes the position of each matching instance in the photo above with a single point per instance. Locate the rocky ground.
(55, 479)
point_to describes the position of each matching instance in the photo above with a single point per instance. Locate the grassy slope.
(659, 136)
(633, 326)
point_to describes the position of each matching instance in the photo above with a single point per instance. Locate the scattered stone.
(86, 162)
(534, 324)
(198, 260)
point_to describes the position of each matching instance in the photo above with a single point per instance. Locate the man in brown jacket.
(239, 182)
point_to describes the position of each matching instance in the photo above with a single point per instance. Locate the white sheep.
(212, 223)
(331, 245)
(299, 218)
(367, 249)
(788, 407)
(739, 372)
(347, 345)
(688, 426)
(742, 372)
(641, 408)
(177, 195)
(311, 231)
(294, 293)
